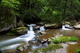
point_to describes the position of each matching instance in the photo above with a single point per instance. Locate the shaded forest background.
(13, 12)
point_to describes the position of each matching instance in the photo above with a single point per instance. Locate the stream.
(49, 33)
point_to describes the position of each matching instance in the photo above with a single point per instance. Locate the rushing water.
(50, 33)
(63, 28)
(17, 41)
(73, 33)
(42, 28)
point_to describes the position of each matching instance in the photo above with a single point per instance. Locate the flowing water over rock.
(64, 28)
(15, 42)
(67, 48)
(42, 28)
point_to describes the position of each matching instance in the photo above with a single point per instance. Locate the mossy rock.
(19, 30)
(63, 39)
(73, 39)
(49, 48)
(10, 33)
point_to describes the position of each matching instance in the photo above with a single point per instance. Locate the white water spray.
(63, 28)
(27, 37)
(42, 28)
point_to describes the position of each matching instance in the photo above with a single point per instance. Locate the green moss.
(78, 51)
(10, 34)
(49, 48)
(19, 30)
(60, 39)
(73, 39)
(56, 41)
(63, 39)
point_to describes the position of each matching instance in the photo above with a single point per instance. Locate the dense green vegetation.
(33, 11)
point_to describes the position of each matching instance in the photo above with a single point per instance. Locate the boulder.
(23, 47)
(19, 30)
(42, 32)
(53, 26)
(77, 26)
(20, 48)
(49, 26)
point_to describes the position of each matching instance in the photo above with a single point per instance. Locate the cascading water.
(42, 28)
(27, 37)
(10, 42)
(30, 33)
(63, 28)
(31, 28)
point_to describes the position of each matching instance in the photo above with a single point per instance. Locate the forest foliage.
(33, 11)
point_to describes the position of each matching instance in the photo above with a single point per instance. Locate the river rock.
(77, 26)
(19, 30)
(42, 32)
(20, 48)
(49, 26)
(53, 26)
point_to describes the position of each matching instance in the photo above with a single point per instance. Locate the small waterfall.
(42, 28)
(63, 28)
(30, 31)
(31, 28)
(30, 34)
(23, 38)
